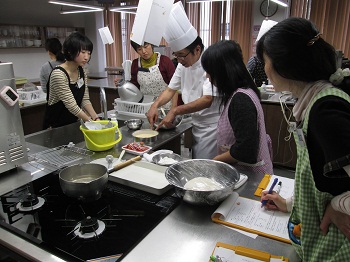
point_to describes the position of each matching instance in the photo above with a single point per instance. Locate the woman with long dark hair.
(241, 135)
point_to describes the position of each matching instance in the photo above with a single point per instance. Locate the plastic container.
(132, 109)
(31, 96)
(137, 110)
(101, 140)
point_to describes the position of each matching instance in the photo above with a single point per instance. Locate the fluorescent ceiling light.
(280, 3)
(131, 9)
(76, 11)
(96, 8)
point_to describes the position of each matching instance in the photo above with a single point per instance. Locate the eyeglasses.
(143, 46)
(180, 57)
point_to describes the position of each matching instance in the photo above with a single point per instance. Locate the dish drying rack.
(134, 109)
(61, 156)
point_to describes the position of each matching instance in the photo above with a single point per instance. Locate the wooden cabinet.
(284, 149)
(20, 36)
(33, 118)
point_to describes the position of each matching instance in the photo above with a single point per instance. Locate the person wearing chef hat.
(255, 66)
(151, 72)
(199, 97)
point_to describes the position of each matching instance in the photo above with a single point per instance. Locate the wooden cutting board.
(144, 176)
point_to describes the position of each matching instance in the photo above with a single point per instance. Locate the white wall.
(27, 61)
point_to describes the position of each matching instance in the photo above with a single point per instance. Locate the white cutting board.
(144, 176)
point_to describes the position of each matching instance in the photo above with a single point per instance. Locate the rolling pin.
(124, 164)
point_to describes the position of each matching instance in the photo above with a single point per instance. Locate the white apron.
(152, 82)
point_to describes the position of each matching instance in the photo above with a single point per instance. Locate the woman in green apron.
(298, 60)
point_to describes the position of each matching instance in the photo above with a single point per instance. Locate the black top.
(328, 139)
(243, 119)
(57, 115)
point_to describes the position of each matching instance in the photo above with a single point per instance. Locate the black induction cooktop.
(102, 230)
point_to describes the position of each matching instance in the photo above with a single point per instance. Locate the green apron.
(310, 204)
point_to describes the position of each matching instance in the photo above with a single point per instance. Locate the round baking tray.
(145, 135)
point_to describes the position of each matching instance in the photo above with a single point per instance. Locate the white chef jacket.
(193, 84)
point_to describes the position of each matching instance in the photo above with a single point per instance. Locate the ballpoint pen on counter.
(263, 203)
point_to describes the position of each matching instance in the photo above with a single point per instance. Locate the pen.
(215, 258)
(263, 203)
(279, 185)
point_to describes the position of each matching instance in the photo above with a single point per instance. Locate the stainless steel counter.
(107, 82)
(187, 234)
(97, 75)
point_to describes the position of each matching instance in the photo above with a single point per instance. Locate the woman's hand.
(274, 201)
(339, 219)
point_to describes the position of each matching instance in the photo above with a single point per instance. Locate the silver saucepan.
(84, 181)
(87, 181)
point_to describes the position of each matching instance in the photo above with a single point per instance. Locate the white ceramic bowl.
(29, 42)
(37, 42)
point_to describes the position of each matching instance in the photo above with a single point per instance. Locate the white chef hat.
(266, 25)
(179, 32)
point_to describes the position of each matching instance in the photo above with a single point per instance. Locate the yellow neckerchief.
(149, 62)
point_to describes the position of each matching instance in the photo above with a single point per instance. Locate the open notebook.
(248, 215)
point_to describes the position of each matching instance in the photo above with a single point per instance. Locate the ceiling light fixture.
(131, 9)
(280, 3)
(79, 11)
(89, 8)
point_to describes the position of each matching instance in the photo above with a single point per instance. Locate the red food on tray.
(136, 147)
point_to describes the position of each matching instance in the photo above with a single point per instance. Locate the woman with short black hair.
(67, 95)
(151, 72)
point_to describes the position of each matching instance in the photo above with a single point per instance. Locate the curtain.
(240, 20)
(300, 8)
(114, 51)
(129, 51)
(241, 24)
(324, 13)
(216, 25)
(193, 13)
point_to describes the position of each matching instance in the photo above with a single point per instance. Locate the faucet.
(103, 102)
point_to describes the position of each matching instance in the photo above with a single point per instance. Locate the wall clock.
(268, 8)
